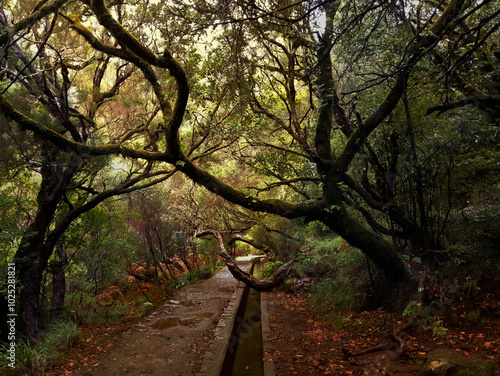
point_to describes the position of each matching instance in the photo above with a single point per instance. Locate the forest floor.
(301, 343)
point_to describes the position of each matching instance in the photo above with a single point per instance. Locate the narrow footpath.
(174, 338)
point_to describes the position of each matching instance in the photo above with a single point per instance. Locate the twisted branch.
(260, 285)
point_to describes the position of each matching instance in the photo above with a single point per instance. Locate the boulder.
(446, 362)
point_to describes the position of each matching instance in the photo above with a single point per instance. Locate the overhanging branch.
(260, 285)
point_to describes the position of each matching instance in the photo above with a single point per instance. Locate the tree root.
(273, 281)
(396, 344)
(399, 335)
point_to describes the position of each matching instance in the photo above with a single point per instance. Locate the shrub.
(33, 359)
(201, 272)
(341, 281)
(269, 268)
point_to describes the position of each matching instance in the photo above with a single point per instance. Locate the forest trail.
(177, 338)
(171, 340)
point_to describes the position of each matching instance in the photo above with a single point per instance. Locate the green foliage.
(484, 227)
(437, 328)
(33, 359)
(269, 268)
(208, 249)
(412, 309)
(324, 245)
(202, 272)
(93, 313)
(476, 244)
(100, 246)
(253, 112)
(341, 281)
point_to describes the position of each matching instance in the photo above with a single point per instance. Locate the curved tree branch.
(260, 285)
(264, 248)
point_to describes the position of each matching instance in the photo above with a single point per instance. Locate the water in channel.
(244, 353)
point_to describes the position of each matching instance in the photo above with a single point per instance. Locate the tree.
(68, 184)
(318, 140)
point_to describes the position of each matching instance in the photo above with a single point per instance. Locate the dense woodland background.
(360, 138)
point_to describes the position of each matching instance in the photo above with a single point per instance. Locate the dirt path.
(170, 341)
(175, 339)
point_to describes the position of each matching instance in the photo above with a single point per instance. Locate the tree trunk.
(30, 272)
(58, 282)
(423, 241)
(400, 282)
(32, 256)
(387, 259)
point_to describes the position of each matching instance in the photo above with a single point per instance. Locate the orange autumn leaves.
(304, 343)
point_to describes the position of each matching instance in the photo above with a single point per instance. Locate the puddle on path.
(205, 315)
(176, 321)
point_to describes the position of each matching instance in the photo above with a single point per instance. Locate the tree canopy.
(322, 110)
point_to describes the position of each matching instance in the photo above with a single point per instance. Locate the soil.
(303, 344)
(173, 339)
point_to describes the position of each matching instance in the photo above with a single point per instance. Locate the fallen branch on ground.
(397, 342)
(399, 335)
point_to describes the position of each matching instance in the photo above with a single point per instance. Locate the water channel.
(244, 352)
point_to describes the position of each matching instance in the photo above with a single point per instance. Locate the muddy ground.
(170, 341)
(174, 338)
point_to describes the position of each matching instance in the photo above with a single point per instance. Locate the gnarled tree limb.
(264, 248)
(260, 285)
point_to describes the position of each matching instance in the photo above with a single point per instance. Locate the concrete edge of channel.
(269, 367)
(214, 357)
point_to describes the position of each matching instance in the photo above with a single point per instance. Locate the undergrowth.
(340, 282)
(33, 359)
(269, 268)
(135, 303)
(202, 272)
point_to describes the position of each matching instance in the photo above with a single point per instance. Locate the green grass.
(33, 359)
(341, 281)
(270, 267)
(202, 272)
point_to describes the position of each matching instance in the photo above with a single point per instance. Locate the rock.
(446, 362)
(473, 317)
